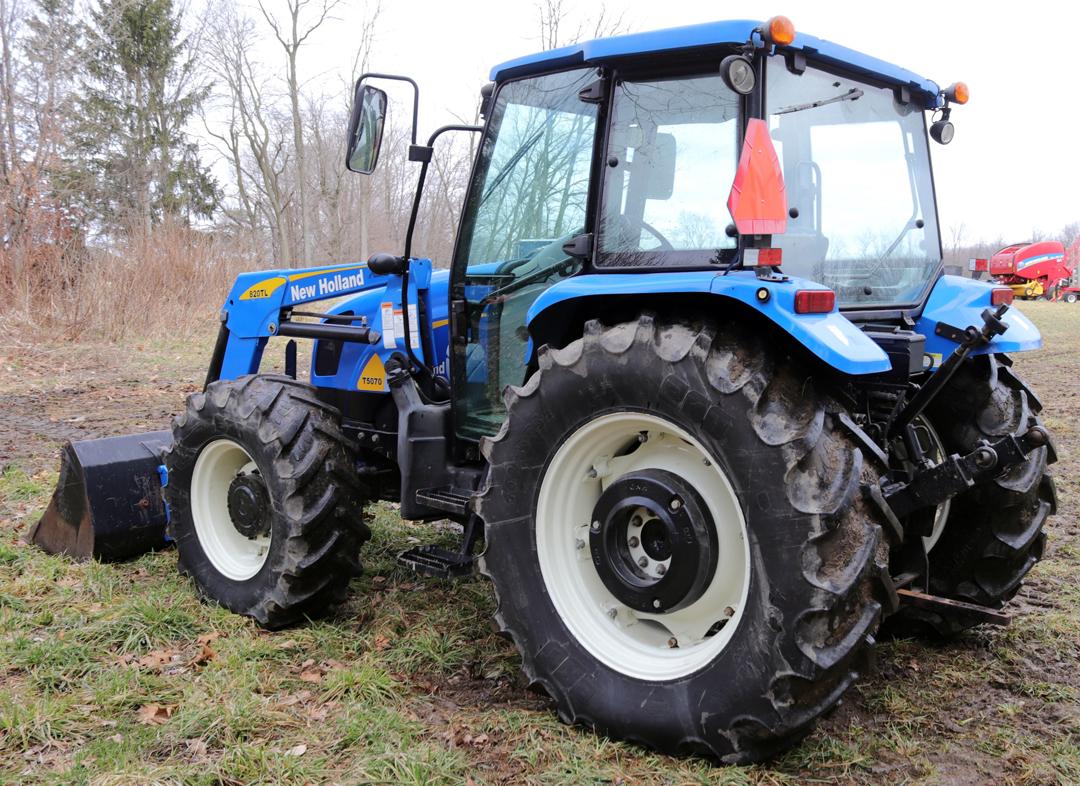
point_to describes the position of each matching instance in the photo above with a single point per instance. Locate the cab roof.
(710, 34)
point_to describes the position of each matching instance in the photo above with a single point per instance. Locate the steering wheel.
(665, 244)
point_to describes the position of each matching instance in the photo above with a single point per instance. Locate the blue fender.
(831, 337)
(959, 302)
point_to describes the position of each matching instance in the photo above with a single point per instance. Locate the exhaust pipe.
(108, 503)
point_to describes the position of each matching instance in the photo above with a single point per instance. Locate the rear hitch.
(969, 338)
(933, 485)
(955, 608)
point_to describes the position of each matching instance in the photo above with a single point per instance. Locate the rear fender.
(959, 302)
(830, 337)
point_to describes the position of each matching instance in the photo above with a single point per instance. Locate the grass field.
(118, 674)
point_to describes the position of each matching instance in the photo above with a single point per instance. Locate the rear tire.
(993, 535)
(815, 554)
(274, 430)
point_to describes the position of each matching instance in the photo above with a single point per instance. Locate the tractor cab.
(619, 157)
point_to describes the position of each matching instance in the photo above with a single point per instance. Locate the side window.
(671, 161)
(530, 195)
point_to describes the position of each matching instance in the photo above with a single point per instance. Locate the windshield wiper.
(851, 95)
(512, 162)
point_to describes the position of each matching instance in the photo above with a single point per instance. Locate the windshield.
(857, 169)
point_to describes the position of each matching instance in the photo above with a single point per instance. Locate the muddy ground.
(417, 660)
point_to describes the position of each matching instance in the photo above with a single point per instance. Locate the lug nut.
(634, 542)
(643, 562)
(673, 642)
(636, 521)
(729, 612)
(675, 504)
(660, 570)
(612, 613)
(656, 603)
(596, 526)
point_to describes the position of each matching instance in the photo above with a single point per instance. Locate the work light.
(738, 73)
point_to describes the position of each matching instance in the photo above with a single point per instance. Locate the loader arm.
(262, 305)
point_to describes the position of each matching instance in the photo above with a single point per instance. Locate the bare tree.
(955, 246)
(365, 42)
(304, 17)
(251, 140)
(560, 26)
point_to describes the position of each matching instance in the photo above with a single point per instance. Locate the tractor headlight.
(738, 73)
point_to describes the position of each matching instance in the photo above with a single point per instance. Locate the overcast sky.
(1013, 167)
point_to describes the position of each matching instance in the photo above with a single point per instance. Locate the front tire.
(777, 632)
(266, 509)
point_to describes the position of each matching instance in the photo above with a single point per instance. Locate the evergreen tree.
(136, 163)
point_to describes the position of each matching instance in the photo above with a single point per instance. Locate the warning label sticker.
(388, 339)
(414, 331)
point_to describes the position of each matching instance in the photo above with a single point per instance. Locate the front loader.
(694, 379)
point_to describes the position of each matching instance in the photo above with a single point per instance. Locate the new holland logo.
(326, 286)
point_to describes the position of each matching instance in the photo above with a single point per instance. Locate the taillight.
(814, 301)
(762, 257)
(1000, 297)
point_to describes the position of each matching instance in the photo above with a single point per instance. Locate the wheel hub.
(249, 505)
(653, 541)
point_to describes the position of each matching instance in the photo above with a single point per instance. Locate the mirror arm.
(423, 154)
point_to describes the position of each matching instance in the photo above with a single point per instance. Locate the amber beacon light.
(779, 30)
(958, 93)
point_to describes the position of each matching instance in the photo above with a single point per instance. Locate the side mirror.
(365, 129)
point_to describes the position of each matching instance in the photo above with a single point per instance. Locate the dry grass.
(166, 283)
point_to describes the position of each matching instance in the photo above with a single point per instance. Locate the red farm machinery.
(1032, 270)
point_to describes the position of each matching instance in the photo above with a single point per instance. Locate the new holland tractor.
(693, 385)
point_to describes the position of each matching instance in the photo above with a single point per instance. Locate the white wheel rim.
(631, 642)
(233, 555)
(936, 454)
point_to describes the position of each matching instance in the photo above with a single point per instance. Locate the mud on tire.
(316, 525)
(994, 533)
(818, 580)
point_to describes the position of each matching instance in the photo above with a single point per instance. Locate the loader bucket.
(108, 503)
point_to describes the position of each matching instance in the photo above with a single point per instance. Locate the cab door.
(530, 194)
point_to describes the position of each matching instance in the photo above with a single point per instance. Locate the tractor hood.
(711, 34)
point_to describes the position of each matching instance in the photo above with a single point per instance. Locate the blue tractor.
(694, 378)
